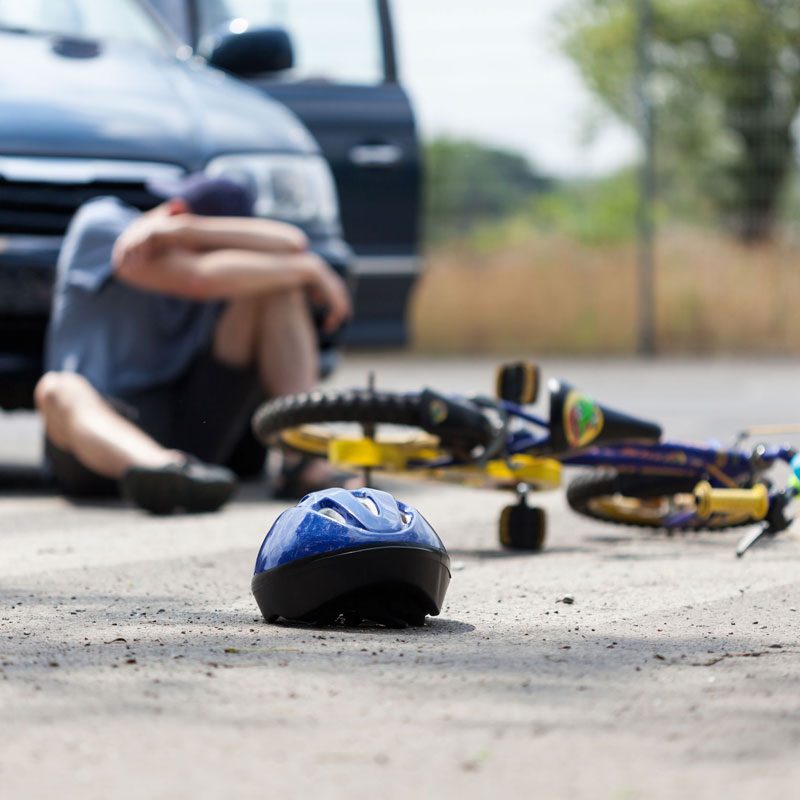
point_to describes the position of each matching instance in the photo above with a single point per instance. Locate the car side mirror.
(253, 51)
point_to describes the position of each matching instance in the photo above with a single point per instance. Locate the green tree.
(467, 183)
(726, 89)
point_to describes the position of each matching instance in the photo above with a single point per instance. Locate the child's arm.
(222, 274)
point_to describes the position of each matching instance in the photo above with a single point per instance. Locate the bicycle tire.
(631, 499)
(364, 407)
(358, 406)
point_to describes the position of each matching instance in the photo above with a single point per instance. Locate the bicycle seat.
(577, 421)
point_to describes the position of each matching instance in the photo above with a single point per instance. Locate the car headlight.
(293, 188)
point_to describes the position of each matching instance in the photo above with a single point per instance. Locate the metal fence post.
(646, 344)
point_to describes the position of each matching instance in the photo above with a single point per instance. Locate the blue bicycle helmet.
(360, 555)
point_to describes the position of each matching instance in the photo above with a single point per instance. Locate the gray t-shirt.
(122, 339)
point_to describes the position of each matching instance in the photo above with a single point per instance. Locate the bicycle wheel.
(644, 501)
(432, 425)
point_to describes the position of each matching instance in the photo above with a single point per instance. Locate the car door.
(344, 87)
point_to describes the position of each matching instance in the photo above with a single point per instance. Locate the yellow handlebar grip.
(753, 502)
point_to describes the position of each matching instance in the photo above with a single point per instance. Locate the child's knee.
(57, 393)
(283, 298)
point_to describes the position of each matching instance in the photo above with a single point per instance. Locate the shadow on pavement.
(24, 479)
(50, 639)
(87, 631)
(496, 553)
(432, 625)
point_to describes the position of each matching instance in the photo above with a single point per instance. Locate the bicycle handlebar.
(752, 502)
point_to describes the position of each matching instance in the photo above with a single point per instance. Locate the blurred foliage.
(590, 212)
(467, 183)
(600, 211)
(726, 90)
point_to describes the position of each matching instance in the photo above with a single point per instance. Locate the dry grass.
(547, 294)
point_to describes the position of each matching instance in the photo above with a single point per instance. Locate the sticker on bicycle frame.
(438, 411)
(583, 419)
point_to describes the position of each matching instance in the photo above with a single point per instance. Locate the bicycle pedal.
(518, 382)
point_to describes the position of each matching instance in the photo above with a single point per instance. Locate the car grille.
(38, 196)
(45, 209)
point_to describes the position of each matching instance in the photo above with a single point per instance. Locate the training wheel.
(523, 527)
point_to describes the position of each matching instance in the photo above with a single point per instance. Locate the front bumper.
(27, 267)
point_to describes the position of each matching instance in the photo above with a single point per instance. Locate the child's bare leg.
(276, 333)
(235, 335)
(78, 420)
(288, 355)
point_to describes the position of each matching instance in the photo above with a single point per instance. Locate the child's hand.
(144, 240)
(330, 292)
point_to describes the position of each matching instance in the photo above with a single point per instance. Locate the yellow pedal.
(752, 502)
(372, 454)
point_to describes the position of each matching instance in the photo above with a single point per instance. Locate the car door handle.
(382, 154)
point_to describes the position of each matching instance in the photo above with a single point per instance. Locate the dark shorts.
(205, 412)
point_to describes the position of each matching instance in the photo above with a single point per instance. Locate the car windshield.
(123, 20)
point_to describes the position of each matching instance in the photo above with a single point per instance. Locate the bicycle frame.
(722, 467)
(705, 485)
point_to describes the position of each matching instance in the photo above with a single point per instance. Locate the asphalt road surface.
(134, 664)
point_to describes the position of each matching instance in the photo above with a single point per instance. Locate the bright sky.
(492, 71)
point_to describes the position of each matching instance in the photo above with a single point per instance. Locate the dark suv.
(100, 98)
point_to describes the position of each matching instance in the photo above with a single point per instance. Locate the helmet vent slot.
(369, 504)
(333, 514)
